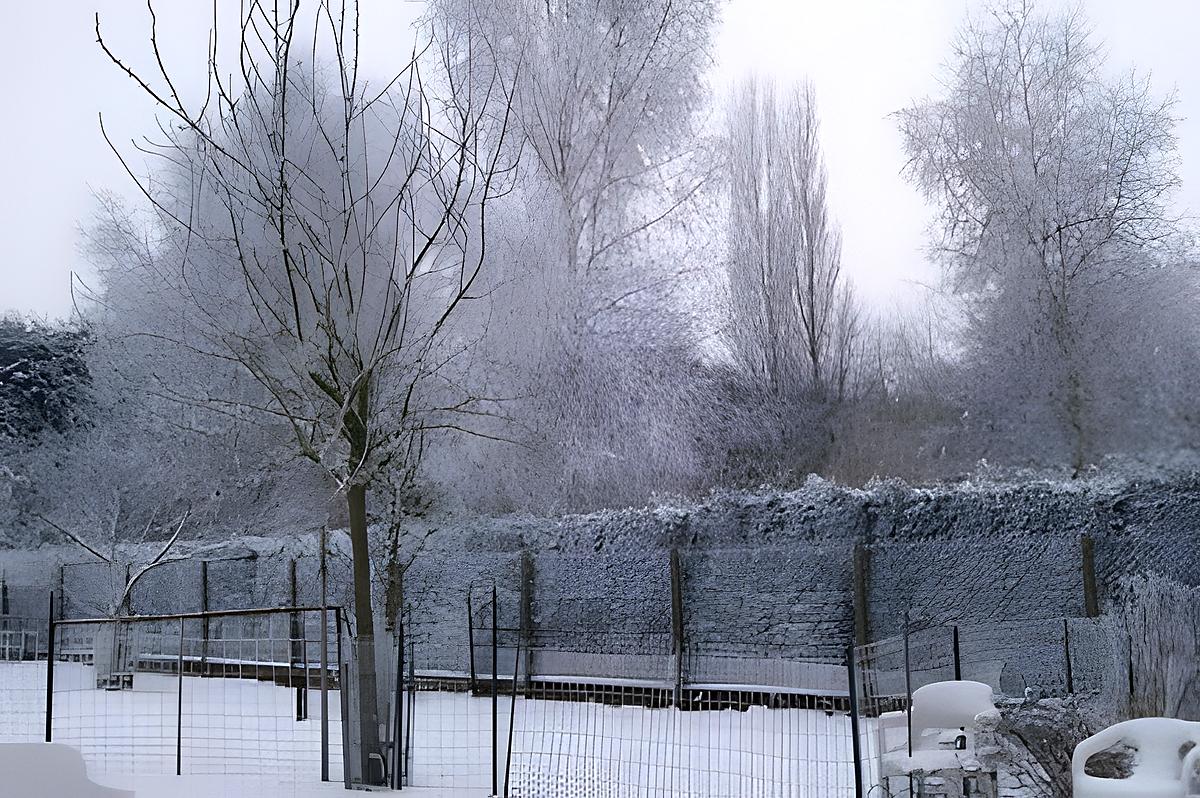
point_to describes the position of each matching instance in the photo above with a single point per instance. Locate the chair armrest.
(1093, 745)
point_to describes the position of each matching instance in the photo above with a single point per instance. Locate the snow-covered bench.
(48, 770)
(1158, 767)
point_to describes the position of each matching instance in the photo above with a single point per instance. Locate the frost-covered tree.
(596, 251)
(794, 325)
(1053, 180)
(794, 319)
(318, 235)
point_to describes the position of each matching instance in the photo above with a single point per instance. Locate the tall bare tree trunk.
(364, 620)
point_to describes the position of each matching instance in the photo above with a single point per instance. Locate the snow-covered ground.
(240, 738)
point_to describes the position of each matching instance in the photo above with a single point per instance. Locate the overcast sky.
(866, 59)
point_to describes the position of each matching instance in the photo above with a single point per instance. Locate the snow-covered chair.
(1157, 770)
(1191, 773)
(48, 770)
(945, 708)
(945, 719)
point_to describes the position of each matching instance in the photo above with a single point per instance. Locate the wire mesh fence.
(203, 693)
(1017, 658)
(602, 712)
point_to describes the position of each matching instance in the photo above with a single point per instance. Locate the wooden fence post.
(525, 640)
(862, 568)
(1091, 603)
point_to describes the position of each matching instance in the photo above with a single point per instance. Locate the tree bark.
(364, 620)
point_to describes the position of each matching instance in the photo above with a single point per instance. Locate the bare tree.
(112, 652)
(1048, 174)
(592, 322)
(795, 318)
(123, 593)
(321, 234)
(795, 326)
(604, 95)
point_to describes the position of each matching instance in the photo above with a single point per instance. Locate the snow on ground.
(241, 738)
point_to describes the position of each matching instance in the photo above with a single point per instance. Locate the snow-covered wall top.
(764, 570)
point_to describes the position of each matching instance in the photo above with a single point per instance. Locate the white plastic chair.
(948, 706)
(1157, 767)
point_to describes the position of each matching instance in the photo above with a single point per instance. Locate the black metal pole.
(512, 716)
(179, 709)
(957, 657)
(852, 681)
(204, 627)
(907, 683)
(337, 622)
(471, 643)
(412, 705)
(398, 698)
(324, 659)
(677, 624)
(324, 692)
(50, 672)
(343, 681)
(495, 685)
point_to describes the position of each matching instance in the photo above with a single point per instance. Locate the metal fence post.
(472, 685)
(179, 709)
(204, 627)
(398, 712)
(297, 656)
(50, 672)
(495, 686)
(324, 658)
(907, 683)
(324, 689)
(677, 623)
(343, 685)
(525, 636)
(852, 680)
(62, 591)
(512, 717)
(957, 656)
(412, 705)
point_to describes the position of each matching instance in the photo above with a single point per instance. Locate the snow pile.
(49, 770)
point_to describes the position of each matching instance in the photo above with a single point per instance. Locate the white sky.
(866, 59)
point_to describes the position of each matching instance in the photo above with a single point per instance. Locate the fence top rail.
(919, 634)
(183, 616)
